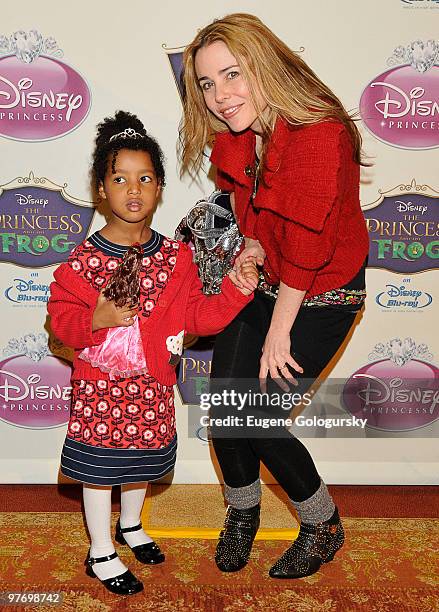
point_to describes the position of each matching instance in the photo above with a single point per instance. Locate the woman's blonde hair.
(287, 85)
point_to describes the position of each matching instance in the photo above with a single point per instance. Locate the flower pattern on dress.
(129, 420)
(136, 412)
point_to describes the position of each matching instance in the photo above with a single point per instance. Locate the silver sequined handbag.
(212, 229)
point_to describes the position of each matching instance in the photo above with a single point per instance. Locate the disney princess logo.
(38, 99)
(398, 391)
(35, 387)
(29, 389)
(407, 102)
(400, 106)
(377, 392)
(41, 97)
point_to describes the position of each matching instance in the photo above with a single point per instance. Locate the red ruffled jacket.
(306, 213)
(181, 306)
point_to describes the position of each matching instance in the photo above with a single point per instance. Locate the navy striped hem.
(111, 466)
(151, 247)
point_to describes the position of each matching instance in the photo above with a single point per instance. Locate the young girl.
(289, 154)
(123, 301)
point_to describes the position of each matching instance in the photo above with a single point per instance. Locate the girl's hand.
(276, 357)
(107, 314)
(245, 276)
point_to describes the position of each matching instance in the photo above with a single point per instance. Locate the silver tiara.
(128, 133)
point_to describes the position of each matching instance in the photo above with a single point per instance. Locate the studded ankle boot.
(315, 545)
(236, 538)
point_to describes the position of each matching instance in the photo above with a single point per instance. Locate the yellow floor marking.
(204, 533)
(212, 534)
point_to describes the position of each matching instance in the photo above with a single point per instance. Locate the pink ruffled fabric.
(120, 355)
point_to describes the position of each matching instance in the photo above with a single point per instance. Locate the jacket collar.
(233, 153)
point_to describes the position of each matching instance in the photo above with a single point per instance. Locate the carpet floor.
(388, 564)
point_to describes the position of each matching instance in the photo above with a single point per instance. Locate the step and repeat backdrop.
(63, 72)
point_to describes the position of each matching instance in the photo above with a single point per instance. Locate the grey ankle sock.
(242, 498)
(317, 508)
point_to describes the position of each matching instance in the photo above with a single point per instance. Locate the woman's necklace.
(258, 151)
(255, 178)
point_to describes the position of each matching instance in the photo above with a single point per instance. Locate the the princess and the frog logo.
(40, 223)
(403, 225)
(400, 106)
(41, 97)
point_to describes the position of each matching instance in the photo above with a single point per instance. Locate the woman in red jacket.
(289, 154)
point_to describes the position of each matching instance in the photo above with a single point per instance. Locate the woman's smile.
(231, 111)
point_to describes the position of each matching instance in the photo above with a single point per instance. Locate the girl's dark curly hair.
(124, 285)
(104, 146)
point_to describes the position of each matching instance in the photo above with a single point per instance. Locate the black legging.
(316, 336)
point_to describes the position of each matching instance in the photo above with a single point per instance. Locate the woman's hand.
(276, 353)
(276, 357)
(107, 314)
(252, 248)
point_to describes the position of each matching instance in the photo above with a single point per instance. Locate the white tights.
(97, 507)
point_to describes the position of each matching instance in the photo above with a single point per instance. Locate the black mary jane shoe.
(150, 553)
(315, 545)
(236, 538)
(124, 584)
